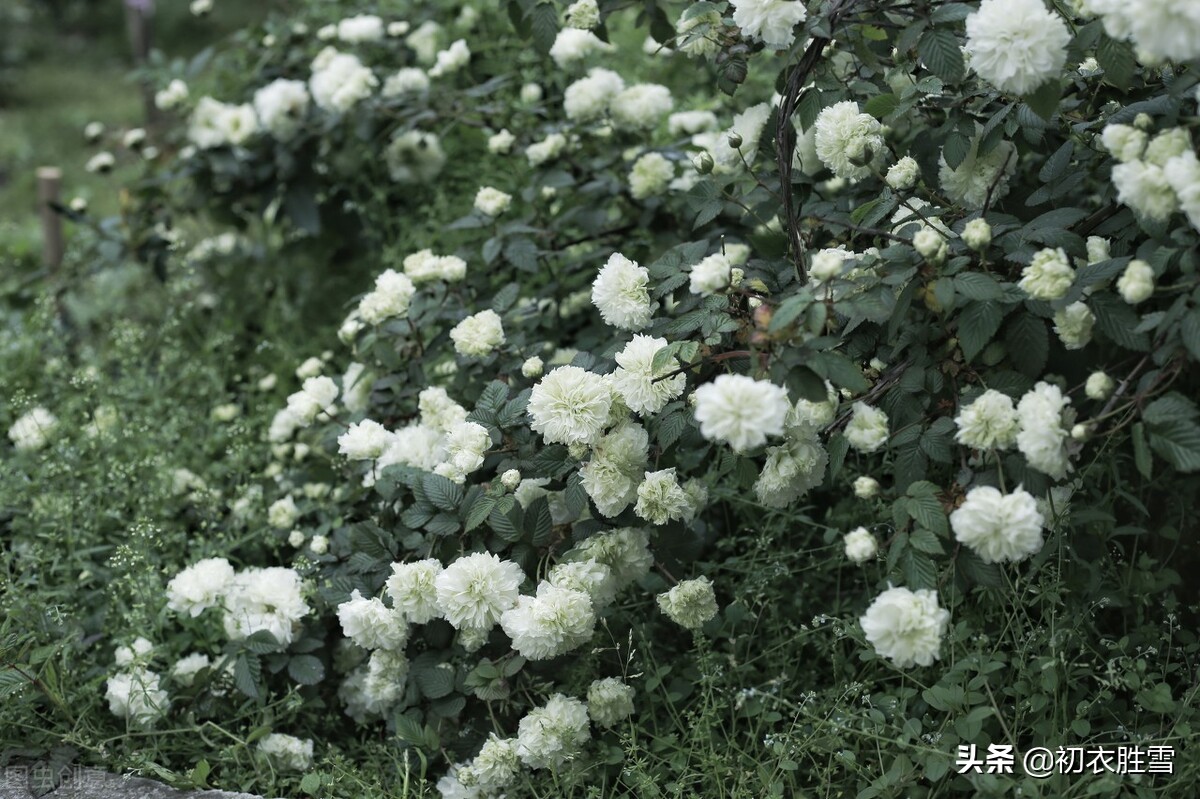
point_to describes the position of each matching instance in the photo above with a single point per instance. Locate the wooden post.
(138, 14)
(49, 180)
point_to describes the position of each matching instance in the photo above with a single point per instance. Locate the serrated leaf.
(1141, 451)
(435, 681)
(976, 571)
(538, 524)
(929, 514)
(1178, 443)
(956, 149)
(1028, 343)
(919, 570)
(522, 253)
(506, 522)
(977, 286)
(978, 322)
(881, 105)
(479, 511)
(926, 542)
(247, 671)
(839, 370)
(1118, 321)
(1189, 332)
(939, 50)
(1057, 164)
(443, 492)
(543, 24)
(1117, 60)
(306, 669)
(670, 428)
(1044, 100)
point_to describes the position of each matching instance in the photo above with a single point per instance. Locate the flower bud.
(703, 162)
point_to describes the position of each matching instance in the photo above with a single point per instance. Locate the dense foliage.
(780, 403)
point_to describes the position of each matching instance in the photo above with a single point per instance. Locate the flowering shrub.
(930, 310)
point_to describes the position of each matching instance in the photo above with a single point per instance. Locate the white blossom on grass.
(610, 700)
(33, 430)
(287, 752)
(998, 527)
(906, 626)
(550, 735)
(137, 695)
(690, 603)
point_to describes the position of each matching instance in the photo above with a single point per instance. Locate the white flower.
(413, 590)
(867, 430)
(690, 604)
(438, 410)
(501, 142)
(457, 56)
(1136, 283)
(372, 624)
(319, 544)
(1044, 418)
(618, 461)
(491, 201)
(549, 624)
(590, 97)
(570, 406)
(990, 422)
(495, 767)
(33, 429)
(773, 22)
(172, 96)
(977, 234)
(589, 576)
(423, 266)
(998, 527)
(865, 487)
(550, 735)
(828, 263)
(406, 82)
(390, 298)
(465, 444)
(531, 93)
(609, 700)
(340, 81)
(1073, 325)
(710, 275)
(661, 498)
(365, 440)
(621, 295)
(1099, 386)
(1125, 142)
(641, 106)
(904, 174)
(476, 336)
(694, 31)
(1016, 45)
(741, 411)
(265, 600)
(583, 14)
(287, 752)
(1048, 276)
(476, 589)
(1161, 29)
(626, 552)
(1183, 173)
(414, 156)
(280, 106)
(310, 368)
(356, 388)
(547, 149)
(141, 650)
(639, 385)
(747, 127)
(979, 177)
(847, 141)
(1144, 188)
(651, 174)
(361, 28)
(136, 695)
(186, 668)
(795, 466)
(572, 45)
(930, 244)
(906, 626)
(860, 545)
(199, 586)
(425, 41)
(688, 123)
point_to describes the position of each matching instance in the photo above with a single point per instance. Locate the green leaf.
(1141, 451)
(435, 681)
(1178, 442)
(1044, 101)
(670, 428)
(306, 669)
(977, 286)
(1056, 165)
(506, 521)
(543, 24)
(919, 570)
(1189, 331)
(1028, 343)
(443, 492)
(1118, 61)
(522, 253)
(1118, 321)
(1157, 699)
(478, 512)
(956, 149)
(925, 541)
(929, 514)
(311, 783)
(881, 105)
(978, 322)
(247, 671)
(538, 525)
(840, 370)
(939, 49)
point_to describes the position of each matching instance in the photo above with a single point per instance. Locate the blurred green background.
(65, 63)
